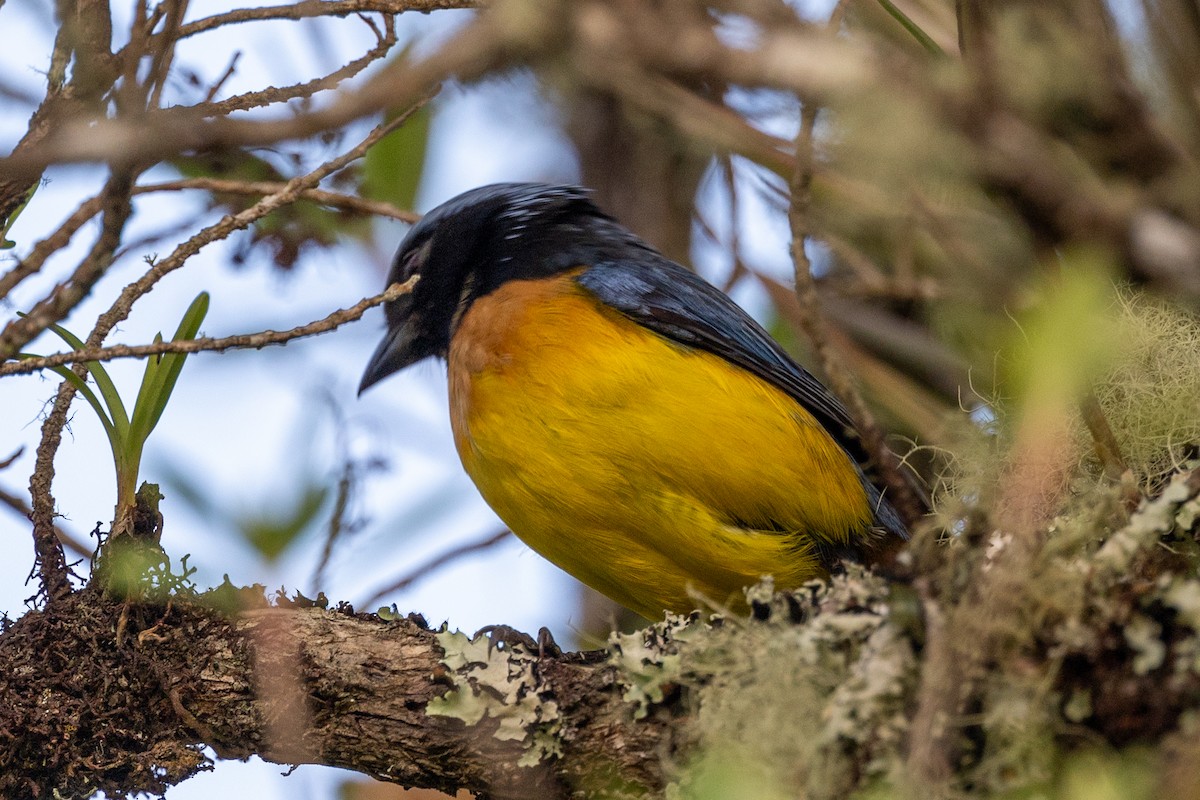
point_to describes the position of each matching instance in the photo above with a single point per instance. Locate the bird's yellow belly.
(652, 472)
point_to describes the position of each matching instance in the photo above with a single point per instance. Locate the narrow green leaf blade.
(108, 390)
(171, 364)
(82, 387)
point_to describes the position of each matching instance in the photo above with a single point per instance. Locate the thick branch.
(293, 685)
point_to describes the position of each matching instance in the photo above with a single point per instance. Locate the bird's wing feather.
(675, 303)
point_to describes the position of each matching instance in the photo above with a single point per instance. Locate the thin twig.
(283, 94)
(49, 246)
(930, 752)
(211, 94)
(69, 540)
(812, 321)
(164, 54)
(65, 296)
(321, 8)
(811, 318)
(347, 202)
(436, 563)
(243, 219)
(337, 522)
(255, 341)
(1108, 450)
(477, 49)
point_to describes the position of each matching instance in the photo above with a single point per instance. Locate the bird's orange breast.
(651, 471)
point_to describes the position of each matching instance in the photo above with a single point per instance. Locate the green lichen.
(498, 683)
(649, 660)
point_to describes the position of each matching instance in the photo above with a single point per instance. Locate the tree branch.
(362, 688)
(256, 341)
(347, 202)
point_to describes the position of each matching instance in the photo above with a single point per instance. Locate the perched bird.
(622, 416)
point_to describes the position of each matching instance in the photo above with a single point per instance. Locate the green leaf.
(392, 168)
(81, 386)
(231, 163)
(272, 535)
(108, 390)
(162, 372)
(5, 243)
(146, 392)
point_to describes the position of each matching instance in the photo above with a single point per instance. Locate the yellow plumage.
(646, 469)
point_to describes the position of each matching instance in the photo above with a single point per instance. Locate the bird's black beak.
(394, 353)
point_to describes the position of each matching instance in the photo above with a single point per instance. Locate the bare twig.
(69, 540)
(812, 321)
(319, 8)
(49, 246)
(1108, 450)
(811, 318)
(164, 53)
(211, 94)
(255, 341)
(702, 119)
(930, 756)
(65, 296)
(813, 65)
(243, 102)
(243, 219)
(347, 202)
(478, 48)
(337, 522)
(435, 563)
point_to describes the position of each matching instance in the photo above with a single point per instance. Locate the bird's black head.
(474, 243)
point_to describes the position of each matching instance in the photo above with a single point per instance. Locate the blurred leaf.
(229, 164)
(392, 168)
(1098, 775)
(270, 536)
(276, 522)
(6, 225)
(1070, 336)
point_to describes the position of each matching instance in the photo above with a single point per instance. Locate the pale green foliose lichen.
(500, 684)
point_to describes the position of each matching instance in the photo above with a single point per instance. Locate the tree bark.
(91, 701)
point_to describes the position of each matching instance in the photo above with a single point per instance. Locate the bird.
(621, 415)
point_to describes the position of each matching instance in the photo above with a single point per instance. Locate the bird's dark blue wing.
(675, 303)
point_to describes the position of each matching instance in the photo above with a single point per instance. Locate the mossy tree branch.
(292, 685)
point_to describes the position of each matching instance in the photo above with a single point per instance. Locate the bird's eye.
(414, 260)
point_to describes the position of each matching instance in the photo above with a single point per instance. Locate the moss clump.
(1151, 392)
(810, 699)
